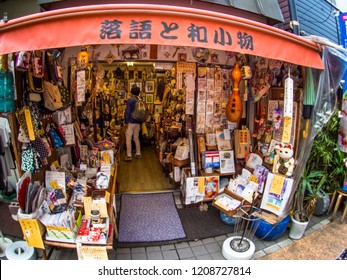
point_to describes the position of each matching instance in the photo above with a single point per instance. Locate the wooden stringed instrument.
(234, 106)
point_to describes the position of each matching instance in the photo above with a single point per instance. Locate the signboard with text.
(343, 33)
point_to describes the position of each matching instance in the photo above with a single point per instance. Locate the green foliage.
(324, 171)
(325, 156)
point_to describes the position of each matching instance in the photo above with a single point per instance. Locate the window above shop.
(268, 8)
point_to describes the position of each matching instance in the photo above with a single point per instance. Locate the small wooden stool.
(339, 194)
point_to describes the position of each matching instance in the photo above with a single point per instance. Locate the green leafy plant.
(324, 171)
(307, 194)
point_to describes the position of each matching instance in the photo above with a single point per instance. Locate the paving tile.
(271, 249)
(123, 250)
(123, 256)
(199, 250)
(269, 243)
(154, 255)
(220, 243)
(170, 255)
(138, 256)
(317, 226)
(138, 250)
(213, 247)
(182, 245)
(191, 258)
(153, 249)
(315, 219)
(208, 240)
(185, 253)
(284, 236)
(308, 231)
(325, 222)
(221, 237)
(259, 245)
(111, 254)
(285, 243)
(167, 247)
(259, 254)
(217, 256)
(204, 257)
(195, 243)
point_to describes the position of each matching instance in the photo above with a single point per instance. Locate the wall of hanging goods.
(225, 127)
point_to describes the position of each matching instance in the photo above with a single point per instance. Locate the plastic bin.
(267, 231)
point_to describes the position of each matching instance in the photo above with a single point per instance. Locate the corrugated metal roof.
(268, 8)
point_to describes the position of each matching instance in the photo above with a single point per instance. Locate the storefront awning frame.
(81, 26)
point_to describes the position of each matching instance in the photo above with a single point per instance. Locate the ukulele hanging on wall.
(234, 106)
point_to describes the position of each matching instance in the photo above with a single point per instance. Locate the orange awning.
(154, 24)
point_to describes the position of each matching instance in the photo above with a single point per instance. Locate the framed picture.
(131, 84)
(158, 108)
(149, 97)
(149, 86)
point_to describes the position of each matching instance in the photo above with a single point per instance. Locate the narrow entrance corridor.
(142, 175)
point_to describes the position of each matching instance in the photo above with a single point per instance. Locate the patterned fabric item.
(37, 162)
(41, 148)
(57, 139)
(65, 96)
(28, 159)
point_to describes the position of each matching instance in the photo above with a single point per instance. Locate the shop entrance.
(143, 175)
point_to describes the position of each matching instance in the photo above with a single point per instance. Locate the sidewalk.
(326, 243)
(211, 248)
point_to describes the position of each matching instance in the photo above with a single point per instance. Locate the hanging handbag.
(22, 61)
(52, 97)
(56, 137)
(35, 84)
(37, 62)
(41, 148)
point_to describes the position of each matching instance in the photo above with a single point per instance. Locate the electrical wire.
(316, 21)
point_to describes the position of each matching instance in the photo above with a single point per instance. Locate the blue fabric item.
(129, 109)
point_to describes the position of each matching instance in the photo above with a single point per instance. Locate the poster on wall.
(211, 186)
(276, 193)
(227, 164)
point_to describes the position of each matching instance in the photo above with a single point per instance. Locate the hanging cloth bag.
(52, 97)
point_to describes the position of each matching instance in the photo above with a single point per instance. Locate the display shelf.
(113, 231)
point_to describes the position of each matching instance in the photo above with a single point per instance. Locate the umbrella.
(309, 99)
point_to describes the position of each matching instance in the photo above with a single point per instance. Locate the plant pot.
(297, 229)
(322, 204)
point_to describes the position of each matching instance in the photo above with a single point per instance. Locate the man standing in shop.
(132, 126)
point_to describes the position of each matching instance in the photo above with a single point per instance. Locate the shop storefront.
(224, 98)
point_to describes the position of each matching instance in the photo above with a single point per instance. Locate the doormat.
(203, 224)
(149, 218)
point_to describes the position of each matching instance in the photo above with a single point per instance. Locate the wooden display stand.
(113, 231)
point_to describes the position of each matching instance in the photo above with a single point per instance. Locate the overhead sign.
(155, 24)
(343, 33)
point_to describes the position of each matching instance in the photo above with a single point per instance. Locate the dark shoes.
(138, 156)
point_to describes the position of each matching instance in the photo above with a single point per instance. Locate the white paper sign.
(81, 86)
(69, 134)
